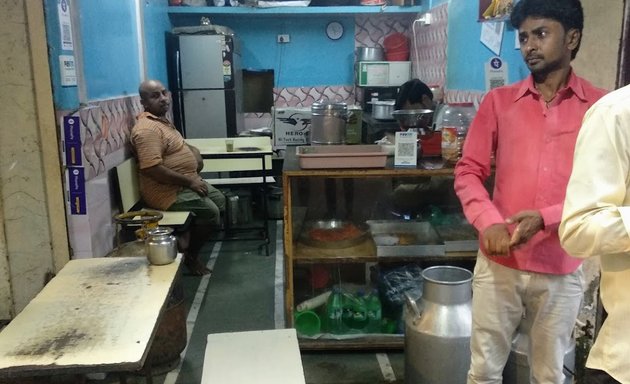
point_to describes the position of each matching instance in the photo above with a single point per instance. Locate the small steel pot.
(370, 54)
(382, 109)
(161, 246)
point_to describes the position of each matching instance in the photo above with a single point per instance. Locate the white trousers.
(545, 306)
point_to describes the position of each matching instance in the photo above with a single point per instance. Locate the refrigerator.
(206, 83)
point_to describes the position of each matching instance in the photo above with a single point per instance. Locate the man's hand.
(496, 240)
(199, 186)
(528, 223)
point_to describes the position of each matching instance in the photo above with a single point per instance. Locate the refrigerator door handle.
(180, 112)
(178, 70)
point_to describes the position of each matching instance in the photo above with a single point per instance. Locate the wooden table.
(96, 315)
(249, 154)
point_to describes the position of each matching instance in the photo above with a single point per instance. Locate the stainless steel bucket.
(245, 212)
(438, 328)
(275, 203)
(328, 122)
(370, 54)
(232, 209)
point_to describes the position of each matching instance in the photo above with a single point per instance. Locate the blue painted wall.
(108, 33)
(64, 97)
(156, 24)
(467, 55)
(111, 67)
(309, 59)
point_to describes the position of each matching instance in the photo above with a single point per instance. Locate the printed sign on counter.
(76, 190)
(406, 151)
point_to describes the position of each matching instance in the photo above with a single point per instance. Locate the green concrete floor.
(243, 294)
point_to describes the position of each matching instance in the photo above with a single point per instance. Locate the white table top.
(261, 357)
(96, 315)
(217, 145)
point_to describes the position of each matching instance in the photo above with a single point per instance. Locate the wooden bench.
(128, 189)
(261, 357)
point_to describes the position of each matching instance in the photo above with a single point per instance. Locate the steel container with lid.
(328, 122)
(161, 245)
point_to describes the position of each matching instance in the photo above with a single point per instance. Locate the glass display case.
(356, 239)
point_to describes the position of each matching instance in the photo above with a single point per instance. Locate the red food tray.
(341, 156)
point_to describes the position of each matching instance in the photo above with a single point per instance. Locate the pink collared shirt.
(533, 144)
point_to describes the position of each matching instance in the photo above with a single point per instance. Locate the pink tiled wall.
(428, 52)
(105, 129)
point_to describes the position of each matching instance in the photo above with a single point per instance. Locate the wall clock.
(334, 30)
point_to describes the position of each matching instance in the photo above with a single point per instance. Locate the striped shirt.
(156, 141)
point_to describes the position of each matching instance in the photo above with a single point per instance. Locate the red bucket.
(399, 55)
(396, 41)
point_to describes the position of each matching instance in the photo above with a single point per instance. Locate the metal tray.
(415, 238)
(332, 224)
(458, 235)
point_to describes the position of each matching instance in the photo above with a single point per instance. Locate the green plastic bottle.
(359, 312)
(334, 311)
(374, 312)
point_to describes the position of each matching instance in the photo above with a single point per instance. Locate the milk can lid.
(320, 106)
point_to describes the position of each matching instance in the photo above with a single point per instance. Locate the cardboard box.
(71, 138)
(291, 126)
(384, 73)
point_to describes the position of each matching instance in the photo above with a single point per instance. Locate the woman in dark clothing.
(414, 94)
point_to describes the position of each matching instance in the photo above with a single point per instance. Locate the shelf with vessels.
(290, 11)
(347, 234)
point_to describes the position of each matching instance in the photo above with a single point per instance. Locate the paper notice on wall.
(67, 71)
(65, 25)
(492, 35)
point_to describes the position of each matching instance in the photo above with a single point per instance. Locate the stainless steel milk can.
(438, 327)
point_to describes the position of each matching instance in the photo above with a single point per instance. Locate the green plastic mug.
(307, 323)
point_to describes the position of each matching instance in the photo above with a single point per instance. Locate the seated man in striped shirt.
(169, 172)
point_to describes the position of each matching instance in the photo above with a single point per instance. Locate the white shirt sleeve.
(596, 215)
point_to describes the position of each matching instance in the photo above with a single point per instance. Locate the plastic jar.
(453, 121)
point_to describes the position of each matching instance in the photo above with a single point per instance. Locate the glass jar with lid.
(454, 120)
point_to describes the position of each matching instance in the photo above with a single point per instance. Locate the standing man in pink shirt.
(523, 279)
